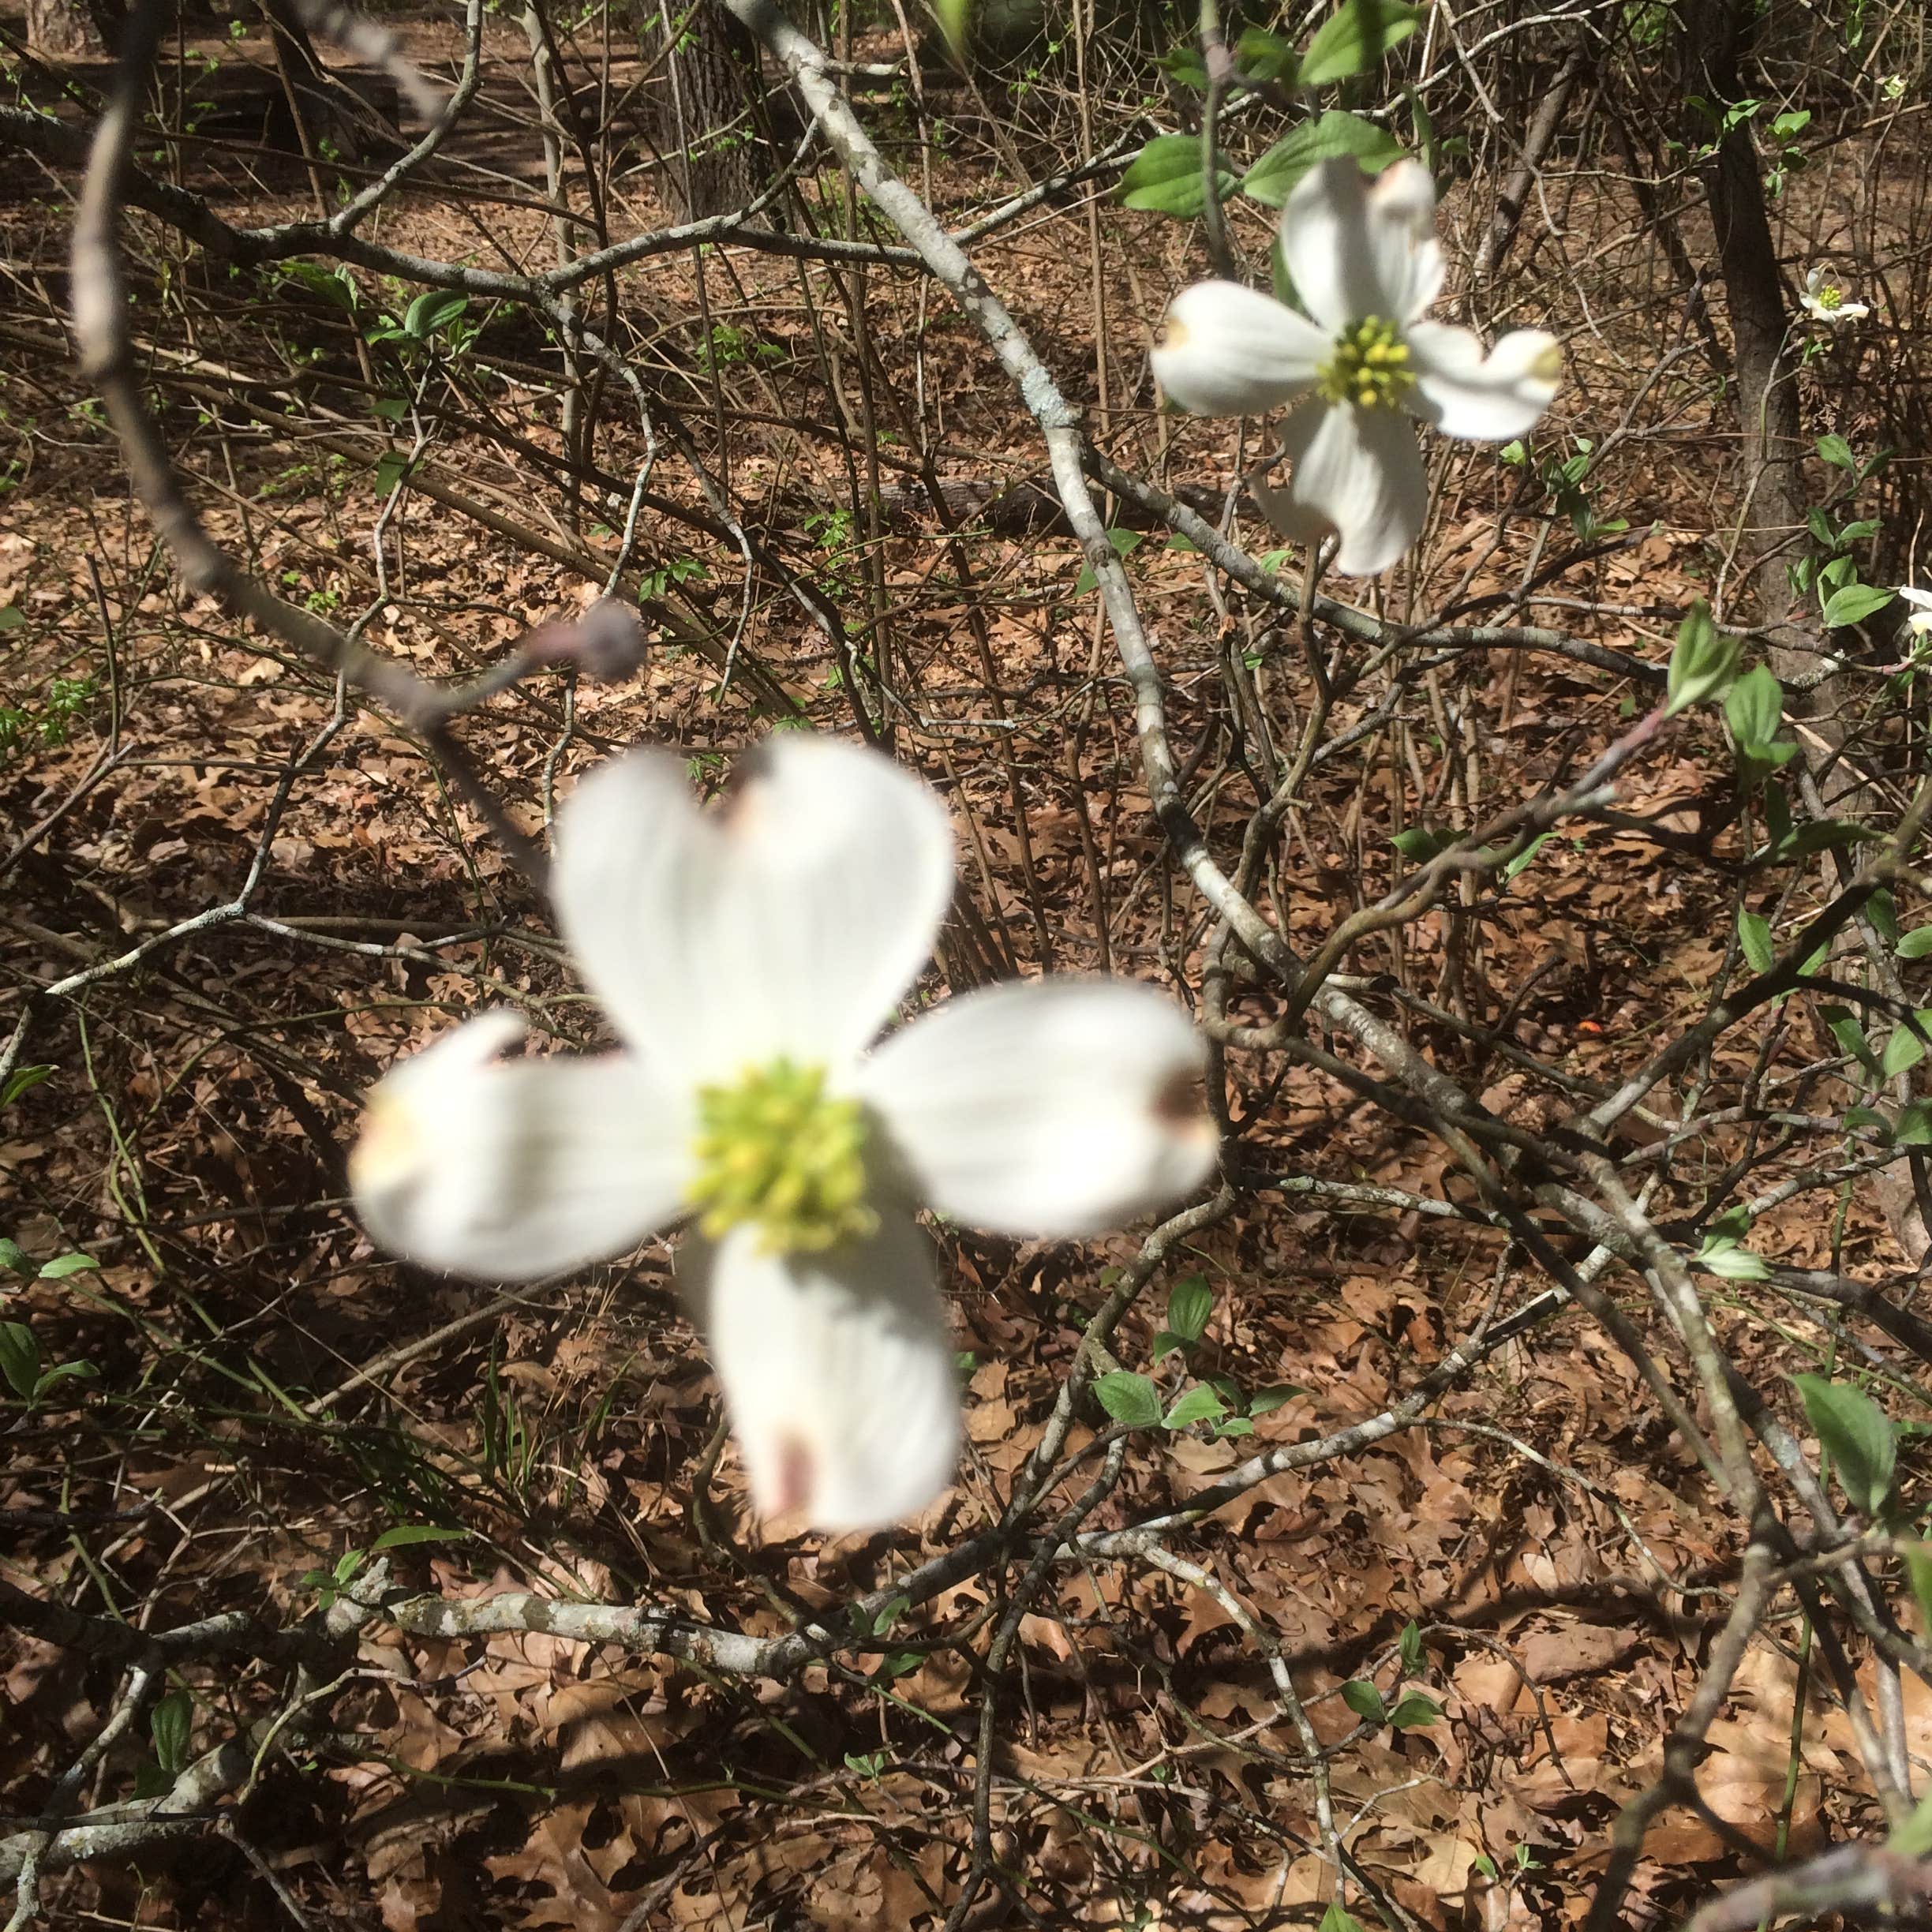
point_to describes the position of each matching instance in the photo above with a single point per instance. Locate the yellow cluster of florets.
(1369, 368)
(776, 1150)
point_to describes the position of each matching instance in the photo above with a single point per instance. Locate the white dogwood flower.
(1919, 620)
(746, 958)
(1825, 301)
(1366, 265)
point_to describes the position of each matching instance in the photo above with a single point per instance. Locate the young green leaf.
(1165, 178)
(1703, 664)
(20, 1358)
(1856, 602)
(1903, 1052)
(1128, 1397)
(1336, 1919)
(1365, 1701)
(1916, 944)
(1274, 176)
(1199, 1404)
(1414, 1711)
(404, 1534)
(1754, 707)
(1189, 1304)
(1355, 38)
(22, 1080)
(62, 1266)
(1857, 1434)
(1409, 1645)
(169, 1723)
(1755, 938)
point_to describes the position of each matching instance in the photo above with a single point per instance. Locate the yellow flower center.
(776, 1150)
(1830, 295)
(1369, 368)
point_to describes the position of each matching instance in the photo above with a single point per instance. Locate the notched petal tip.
(1227, 351)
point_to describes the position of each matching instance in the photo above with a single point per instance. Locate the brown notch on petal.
(796, 1469)
(1182, 1103)
(751, 772)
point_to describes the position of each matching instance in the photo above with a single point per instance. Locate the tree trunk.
(706, 89)
(1767, 391)
(64, 29)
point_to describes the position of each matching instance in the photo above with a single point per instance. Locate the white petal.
(1486, 398)
(789, 923)
(1359, 471)
(838, 1371)
(1226, 350)
(508, 1170)
(1058, 1107)
(1814, 308)
(1853, 311)
(1814, 277)
(1912, 595)
(1354, 251)
(1401, 233)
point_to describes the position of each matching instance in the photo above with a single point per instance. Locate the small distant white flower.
(1366, 264)
(746, 958)
(1824, 301)
(1918, 621)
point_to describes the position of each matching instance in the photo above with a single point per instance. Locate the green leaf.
(1189, 1304)
(1199, 1404)
(169, 1723)
(1125, 543)
(1365, 1701)
(1855, 602)
(23, 1079)
(1916, 944)
(1264, 1400)
(404, 1534)
(15, 1259)
(1165, 178)
(12, 617)
(1355, 38)
(1701, 665)
(1882, 909)
(20, 1358)
(1336, 1919)
(1754, 707)
(1414, 1711)
(66, 1371)
(391, 466)
(1754, 936)
(1842, 1025)
(1128, 1397)
(1272, 177)
(1919, 1566)
(1409, 1645)
(1903, 1052)
(432, 312)
(890, 1614)
(1263, 56)
(62, 1266)
(1913, 1128)
(1165, 1341)
(1418, 845)
(1858, 1435)
(1526, 854)
(1728, 1258)
(1837, 451)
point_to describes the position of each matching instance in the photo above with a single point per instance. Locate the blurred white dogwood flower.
(746, 958)
(1366, 265)
(1919, 620)
(1824, 301)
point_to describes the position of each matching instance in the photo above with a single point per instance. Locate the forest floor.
(270, 1399)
